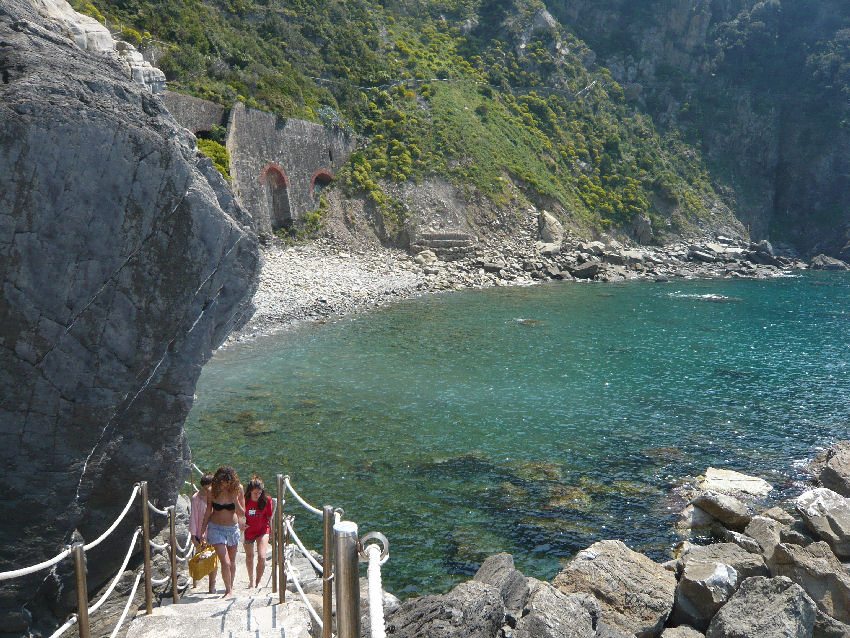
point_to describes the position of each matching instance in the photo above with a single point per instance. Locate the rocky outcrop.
(635, 593)
(125, 261)
(832, 468)
(825, 262)
(765, 607)
(827, 514)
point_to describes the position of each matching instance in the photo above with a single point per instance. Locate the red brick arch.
(277, 174)
(323, 177)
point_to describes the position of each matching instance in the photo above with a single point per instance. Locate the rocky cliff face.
(124, 262)
(760, 86)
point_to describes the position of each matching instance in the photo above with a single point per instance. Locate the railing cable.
(304, 550)
(306, 505)
(99, 603)
(376, 602)
(120, 518)
(72, 620)
(15, 573)
(309, 605)
(156, 510)
(127, 606)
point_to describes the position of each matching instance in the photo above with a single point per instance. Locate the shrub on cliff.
(218, 154)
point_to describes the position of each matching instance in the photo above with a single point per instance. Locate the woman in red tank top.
(258, 516)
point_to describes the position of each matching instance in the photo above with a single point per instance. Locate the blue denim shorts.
(222, 534)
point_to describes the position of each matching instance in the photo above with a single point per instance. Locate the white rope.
(72, 620)
(200, 471)
(15, 573)
(153, 509)
(160, 581)
(120, 518)
(121, 569)
(295, 582)
(376, 596)
(185, 557)
(304, 551)
(158, 546)
(301, 500)
(127, 606)
(185, 548)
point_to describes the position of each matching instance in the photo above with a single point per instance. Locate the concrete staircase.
(448, 246)
(251, 613)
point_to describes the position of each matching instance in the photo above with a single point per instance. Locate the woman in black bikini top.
(225, 508)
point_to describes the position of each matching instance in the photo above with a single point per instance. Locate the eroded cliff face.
(759, 86)
(124, 262)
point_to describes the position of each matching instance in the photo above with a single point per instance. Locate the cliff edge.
(125, 261)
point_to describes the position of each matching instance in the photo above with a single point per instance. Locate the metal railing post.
(347, 580)
(327, 570)
(281, 552)
(82, 590)
(173, 538)
(146, 547)
(275, 541)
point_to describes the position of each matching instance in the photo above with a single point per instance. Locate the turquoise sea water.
(533, 420)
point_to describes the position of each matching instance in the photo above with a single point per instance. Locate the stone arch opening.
(320, 181)
(277, 192)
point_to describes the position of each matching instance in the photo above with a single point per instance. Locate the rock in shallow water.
(125, 262)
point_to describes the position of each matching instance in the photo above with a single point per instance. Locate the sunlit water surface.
(533, 420)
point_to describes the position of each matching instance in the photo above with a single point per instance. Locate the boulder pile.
(770, 573)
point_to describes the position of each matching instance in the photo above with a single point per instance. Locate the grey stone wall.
(263, 148)
(194, 113)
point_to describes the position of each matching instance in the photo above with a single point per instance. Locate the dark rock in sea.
(498, 570)
(635, 593)
(825, 262)
(767, 608)
(125, 261)
(587, 270)
(471, 610)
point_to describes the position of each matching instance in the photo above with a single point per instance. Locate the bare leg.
(249, 563)
(231, 551)
(226, 572)
(262, 548)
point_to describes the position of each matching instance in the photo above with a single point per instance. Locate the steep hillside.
(762, 86)
(495, 97)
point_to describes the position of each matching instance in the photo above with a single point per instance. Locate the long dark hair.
(257, 483)
(225, 480)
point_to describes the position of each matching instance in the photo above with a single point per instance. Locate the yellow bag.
(204, 562)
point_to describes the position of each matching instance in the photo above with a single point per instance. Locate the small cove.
(533, 420)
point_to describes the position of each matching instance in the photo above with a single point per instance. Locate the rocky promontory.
(125, 262)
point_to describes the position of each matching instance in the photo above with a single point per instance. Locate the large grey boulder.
(766, 532)
(816, 569)
(832, 468)
(827, 514)
(732, 482)
(124, 263)
(708, 576)
(471, 610)
(725, 508)
(498, 570)
(550, 613)
(767, 608)
(825, 262)
(635, 593)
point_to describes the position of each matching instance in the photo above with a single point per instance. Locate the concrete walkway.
(251, 613)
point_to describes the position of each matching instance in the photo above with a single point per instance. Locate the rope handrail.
(15, 573)
(306, 505)
(127, 606)
(24, 571)
(160, 581)
(158, 546)
(200, 471)
(120, 518)
(121, 569)
(72, 620)
(186, 557)
(185, 548)
(303, 549)
(309, 605)
(153, 508)
(376, 603)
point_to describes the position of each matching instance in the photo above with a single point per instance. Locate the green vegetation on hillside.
(481, 92)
